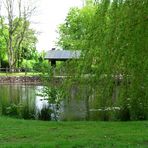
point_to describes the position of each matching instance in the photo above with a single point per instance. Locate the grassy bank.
(20, 74)
(21, 133)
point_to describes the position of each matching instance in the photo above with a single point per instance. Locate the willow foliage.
(113, 68)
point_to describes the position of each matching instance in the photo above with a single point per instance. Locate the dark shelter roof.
(60, 55)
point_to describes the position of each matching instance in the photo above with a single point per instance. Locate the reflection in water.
(20, 100)
(40, 103)
(24, 101)
(39, 100)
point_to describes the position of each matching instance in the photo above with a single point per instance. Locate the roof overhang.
(62, 55)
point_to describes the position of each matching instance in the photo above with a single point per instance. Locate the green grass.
(76, 134)
(20, 74)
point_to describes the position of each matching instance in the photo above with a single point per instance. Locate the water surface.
(24, 101)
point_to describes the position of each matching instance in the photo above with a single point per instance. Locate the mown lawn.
(21, 133)
(20, 74)
(76, 134)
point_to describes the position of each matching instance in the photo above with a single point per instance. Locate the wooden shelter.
(61, 55)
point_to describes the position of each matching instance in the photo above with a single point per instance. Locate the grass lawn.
(20, 74)
(76, 134)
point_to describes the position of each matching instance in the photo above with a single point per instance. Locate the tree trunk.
(11, 53)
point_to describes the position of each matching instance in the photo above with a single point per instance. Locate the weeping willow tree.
(113, 68)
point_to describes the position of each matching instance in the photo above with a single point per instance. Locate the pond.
(27, 101)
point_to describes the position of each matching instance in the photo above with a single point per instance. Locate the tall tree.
(115, 59)
(25, 43)
(18, 15)
(74, 30)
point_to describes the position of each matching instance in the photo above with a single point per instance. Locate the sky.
(51, 13)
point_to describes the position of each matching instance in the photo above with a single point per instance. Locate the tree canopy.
(16, 32)
(114, 64)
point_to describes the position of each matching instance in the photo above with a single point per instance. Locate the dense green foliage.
(113, 68)
(17, 38)
(24, 47)
(21, 133)
(73, 31)
(25, 55)
(3, 32)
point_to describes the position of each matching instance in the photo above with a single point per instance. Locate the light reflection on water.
(40, 103)
(22, 95)
(28, 95)
(39, 100)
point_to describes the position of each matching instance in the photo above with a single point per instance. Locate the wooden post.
(53, 63)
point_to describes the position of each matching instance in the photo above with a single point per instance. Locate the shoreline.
(20, 80)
